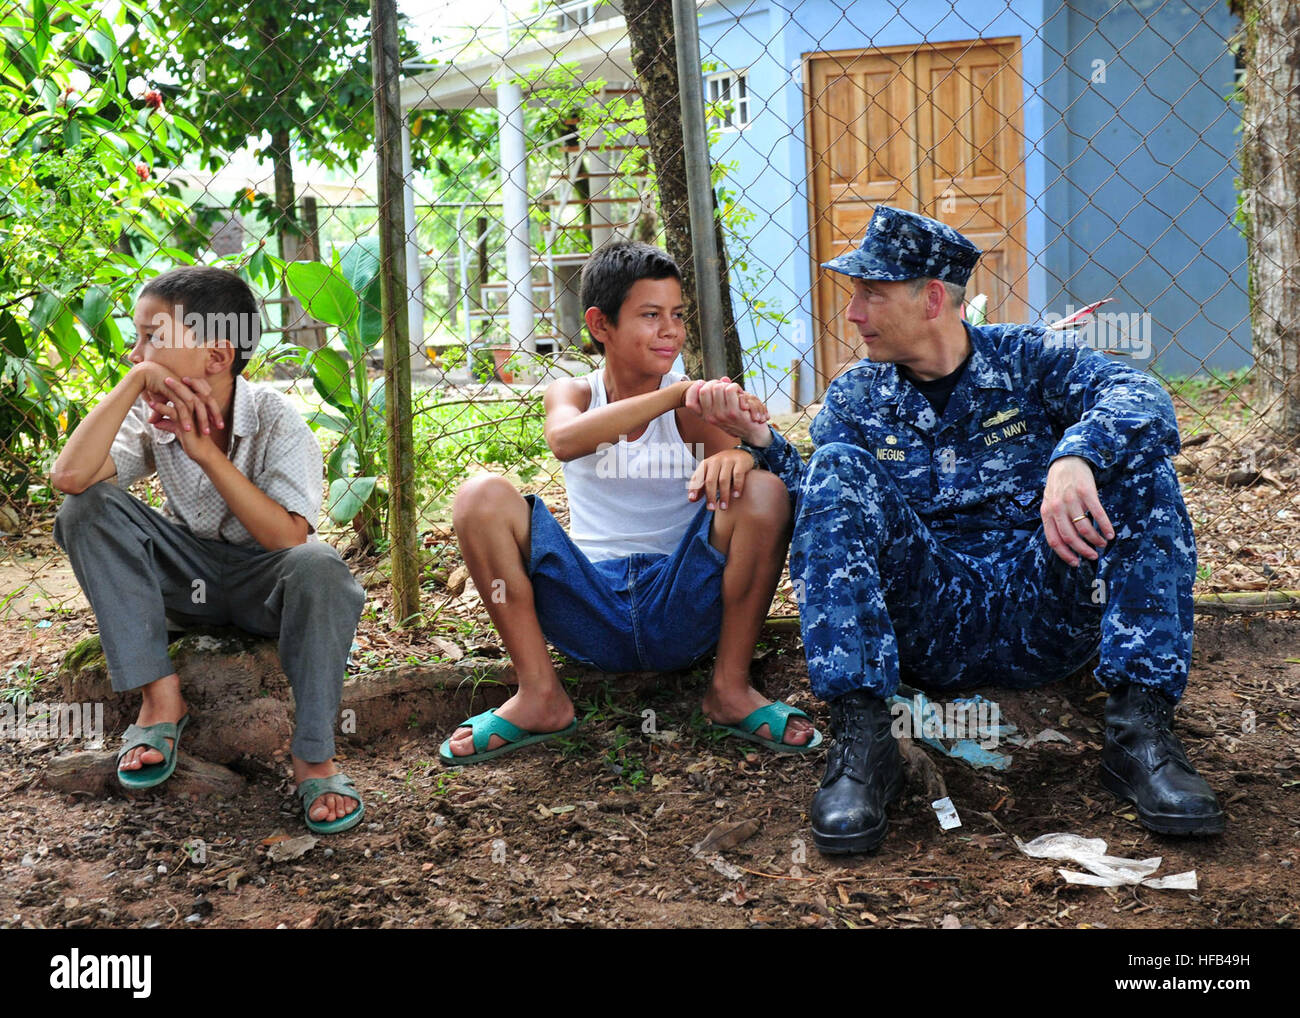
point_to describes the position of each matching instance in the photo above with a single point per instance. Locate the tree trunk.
(647, 223)
(654, 56)
(394, 290)
(287, 224)
(286, 227)
(582, 191)
(1270, 144)
(309, 250)
(476, 274)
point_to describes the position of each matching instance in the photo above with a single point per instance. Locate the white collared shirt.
(270, 444)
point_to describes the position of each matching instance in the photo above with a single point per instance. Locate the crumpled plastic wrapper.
(1104, 870)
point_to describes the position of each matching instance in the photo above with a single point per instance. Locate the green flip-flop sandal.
(312, 789)
(488, 724)
(776, 716)
(155, 737)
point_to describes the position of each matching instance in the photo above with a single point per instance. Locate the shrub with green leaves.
(455, 437)
(334, 295)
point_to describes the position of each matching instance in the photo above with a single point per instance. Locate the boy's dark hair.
(611, 271)
(213, 303)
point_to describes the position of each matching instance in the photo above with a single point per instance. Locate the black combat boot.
(1143, 762)
(864, 773)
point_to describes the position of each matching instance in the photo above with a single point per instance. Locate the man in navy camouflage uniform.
(950, 529)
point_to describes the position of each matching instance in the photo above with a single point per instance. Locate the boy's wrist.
(752, 454)
(206, 455)
(139, 375)
(134, 378)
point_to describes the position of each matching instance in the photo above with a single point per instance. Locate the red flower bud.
(153, 99)
(142, 171)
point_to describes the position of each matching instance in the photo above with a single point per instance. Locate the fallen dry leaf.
(446, 649)
(736, 896)
(724, 836)
(291, 848)
(456, 581)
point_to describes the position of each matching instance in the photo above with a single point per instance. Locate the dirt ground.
(611, 829)
(601, 832)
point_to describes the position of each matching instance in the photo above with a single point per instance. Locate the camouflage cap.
(903, 245)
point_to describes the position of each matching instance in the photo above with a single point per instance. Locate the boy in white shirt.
(657, 570)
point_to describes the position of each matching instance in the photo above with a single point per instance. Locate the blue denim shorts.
(639, 613)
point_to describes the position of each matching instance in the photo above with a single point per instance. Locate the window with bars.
(570, 15)
(728, 95)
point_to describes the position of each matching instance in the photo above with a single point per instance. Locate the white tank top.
(630, 497)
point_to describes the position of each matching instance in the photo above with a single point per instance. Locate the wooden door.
(935, 129)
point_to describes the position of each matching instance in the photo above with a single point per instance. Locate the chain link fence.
(1091, 149)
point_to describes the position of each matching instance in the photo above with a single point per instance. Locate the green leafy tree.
(80, 154)
(284, 77)
(290, 80)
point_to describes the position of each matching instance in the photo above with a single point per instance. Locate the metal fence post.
(699, 188)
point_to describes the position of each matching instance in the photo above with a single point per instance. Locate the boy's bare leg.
(493, 524)
(754, 533)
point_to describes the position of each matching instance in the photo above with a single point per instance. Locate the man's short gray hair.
(956, 292)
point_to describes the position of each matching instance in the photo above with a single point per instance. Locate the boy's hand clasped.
(187, 409)
(725, 404)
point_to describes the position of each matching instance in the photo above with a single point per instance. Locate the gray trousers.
(137, 567)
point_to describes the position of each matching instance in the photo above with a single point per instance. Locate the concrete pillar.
(514, 166)
(415, 278)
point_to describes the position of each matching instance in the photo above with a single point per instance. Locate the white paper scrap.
(946, 812)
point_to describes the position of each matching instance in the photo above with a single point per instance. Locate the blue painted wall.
(1142, 159)
(1143, 170)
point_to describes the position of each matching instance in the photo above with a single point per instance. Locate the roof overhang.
(600, 51)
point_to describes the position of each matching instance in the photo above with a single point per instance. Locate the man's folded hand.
(1069, 499)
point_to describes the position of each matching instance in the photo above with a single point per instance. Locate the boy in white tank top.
(675, 546)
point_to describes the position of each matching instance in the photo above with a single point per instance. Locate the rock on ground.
(95, 773)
